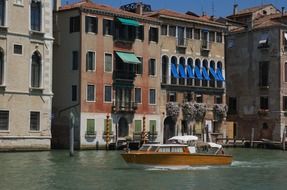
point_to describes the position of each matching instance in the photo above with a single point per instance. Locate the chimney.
(235, 6)
(57, 5)
(139, 8)
(282, 10)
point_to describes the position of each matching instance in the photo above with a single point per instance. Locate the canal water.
(252, 169)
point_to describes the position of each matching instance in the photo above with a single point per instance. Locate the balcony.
(124, 75)
(124, 106)
(181, 42)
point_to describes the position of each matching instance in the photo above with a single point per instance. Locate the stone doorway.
(169, 129)
(123, 128)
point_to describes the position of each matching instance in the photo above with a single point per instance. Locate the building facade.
(256, 62)
(26, 45)
(192, 74)
(106, 74)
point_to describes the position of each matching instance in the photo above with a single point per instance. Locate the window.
(264, 103)
(108, 93)
(152, 96)
(189, 33)
(218, 99)
(19, 2)
(1, 68)
(138, 95)
(152, 67)
(285, 40)
(263, 73)
(263, 42)
(219, 37)
(90, 93)
(75, 60)
(36, 70)
(2, 12)
(108, 26)
(163, 30)
(4, 120)
(34, 121)
(197, 34)
(199, 98)
(75, 24)
(152, 126)
(36, 15)
(90, 127)
(18, 49)
(139, 67)
(284, 103)
(108, 62)
(126, 33)
(232, 105)
(140, 32)
(91, 24)
(74, 92)
(171, 97)
(138, 126)
(172, 31)
(153, 34)
(212, 36)
(91, 59)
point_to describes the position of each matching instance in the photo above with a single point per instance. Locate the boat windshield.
(144, 148)
(153, 148)
(170, 149)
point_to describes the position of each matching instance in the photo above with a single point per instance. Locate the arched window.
(1, 67)
(212, 74)
(36, 15)
(174, 77)
(205, 73)
(219, 69)
(198, 75)
(2, 12)
(164, 62)
(36, 70)
(190, 71)
(182, 71)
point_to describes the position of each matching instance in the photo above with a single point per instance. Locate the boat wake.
(166, 168)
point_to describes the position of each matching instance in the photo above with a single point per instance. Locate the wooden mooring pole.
(252, 138)
(284, 139)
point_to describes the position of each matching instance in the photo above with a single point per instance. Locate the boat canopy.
(214, 145)
(184, 138)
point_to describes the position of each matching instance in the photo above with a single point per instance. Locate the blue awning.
(182, 71)
(197, 73)
(219, 74)
(174, 72)
(211, 70)
(205, 74)
(190, 71)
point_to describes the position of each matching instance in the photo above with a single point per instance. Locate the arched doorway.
(169, 129)
(123, 127)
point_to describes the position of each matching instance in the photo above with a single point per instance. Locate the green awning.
(130, 22)
(128, 58)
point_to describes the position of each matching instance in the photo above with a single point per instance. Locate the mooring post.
(284, 139)
(252, 138)
(72, 124)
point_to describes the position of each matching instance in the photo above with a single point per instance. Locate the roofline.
(258, 29)
(219, 25)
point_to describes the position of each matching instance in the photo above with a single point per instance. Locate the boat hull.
(177, 159)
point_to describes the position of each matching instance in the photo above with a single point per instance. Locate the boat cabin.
(168, 148)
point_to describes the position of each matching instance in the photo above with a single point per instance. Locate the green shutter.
(138, 126)
(152, 126)
(110, 125)
(90, 126)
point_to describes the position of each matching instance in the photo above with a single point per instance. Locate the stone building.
(25, 74)
(192, 74)
(106, 74)
(256, 72)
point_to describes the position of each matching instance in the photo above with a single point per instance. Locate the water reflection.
(251, 169)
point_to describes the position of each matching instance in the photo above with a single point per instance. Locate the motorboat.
(182, 151)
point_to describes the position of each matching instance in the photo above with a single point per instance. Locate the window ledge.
(34, 131)
(4, 131)
(18, 4)
(35, 89)
(94, 135)
(36, 34)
